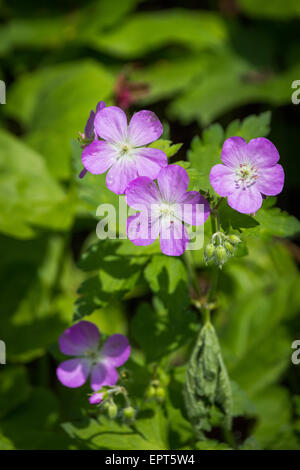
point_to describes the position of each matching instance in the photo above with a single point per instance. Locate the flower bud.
(129, 413)
(229, 248)
(112, 410)
(209, 251)
(220, 255)
(234, 239)
(160, 394)
(151, 392)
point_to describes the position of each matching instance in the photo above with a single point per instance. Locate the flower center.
(245, 175)
(125, 150)
(166, 209)
(93, 355)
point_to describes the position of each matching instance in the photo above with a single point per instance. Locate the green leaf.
(167, 77)
(117, 275)
(147, 31)
(212, 444)
(242, 406)
(278, 223)
(54, 106)
(29, 198)
(159, 330)
(207, 383)
(82, 26)
(273, 10)
(149, 432)
(35, 306)
(166, 146)
(251, 127)
(205, 153)
(41, 411)
(6, 444)
(274, 430)
(14, 389)
(256, 297)
(163, 327)
(231, 219)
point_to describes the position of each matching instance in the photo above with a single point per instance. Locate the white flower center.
(166, 209)
(125, 150)
(245, 175)
(93, 355)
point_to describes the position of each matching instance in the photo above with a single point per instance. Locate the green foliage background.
(195, 64)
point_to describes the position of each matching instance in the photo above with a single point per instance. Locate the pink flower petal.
(194, 208)
(103, 374)
(74, 372)
(234, 152)
(246, 201)
(121, 174)
(98, 157)
(116, 350)
(78, 338)
(173, 182)
(222, 179)
(173, 238)
(111, 124)
(262, 153)
(95, 398)
(142, 192)
(150, 161)
(270, 181)
(141, 231)
(144, 127)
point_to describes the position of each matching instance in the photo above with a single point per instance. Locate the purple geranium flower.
(250, 171)
(123, 150)
(82, 340)
(89, 131)
(163, 209)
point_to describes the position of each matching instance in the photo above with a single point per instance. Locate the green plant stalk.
(207, 382)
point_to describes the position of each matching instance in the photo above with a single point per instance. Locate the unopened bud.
(112, 410)
(234, 239)
(151, 392)
(229, 247)
(209, 251)
(129, 413)
(160, 394)
(220, 255)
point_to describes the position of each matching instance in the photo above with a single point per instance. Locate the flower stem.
(192, 273)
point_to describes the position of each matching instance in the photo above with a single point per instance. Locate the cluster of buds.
(221, 248)
(111, 409)
(155, 391)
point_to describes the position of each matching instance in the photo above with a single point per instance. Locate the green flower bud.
(160, 394)
(234, 239)
(209, 251)
(112, 410)
(129, 413)
(151, 392)
(229, 247)
(220, 255)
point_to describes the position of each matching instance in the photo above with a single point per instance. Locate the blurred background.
(194, 63)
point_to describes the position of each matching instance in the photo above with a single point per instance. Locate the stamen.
(246, 176)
